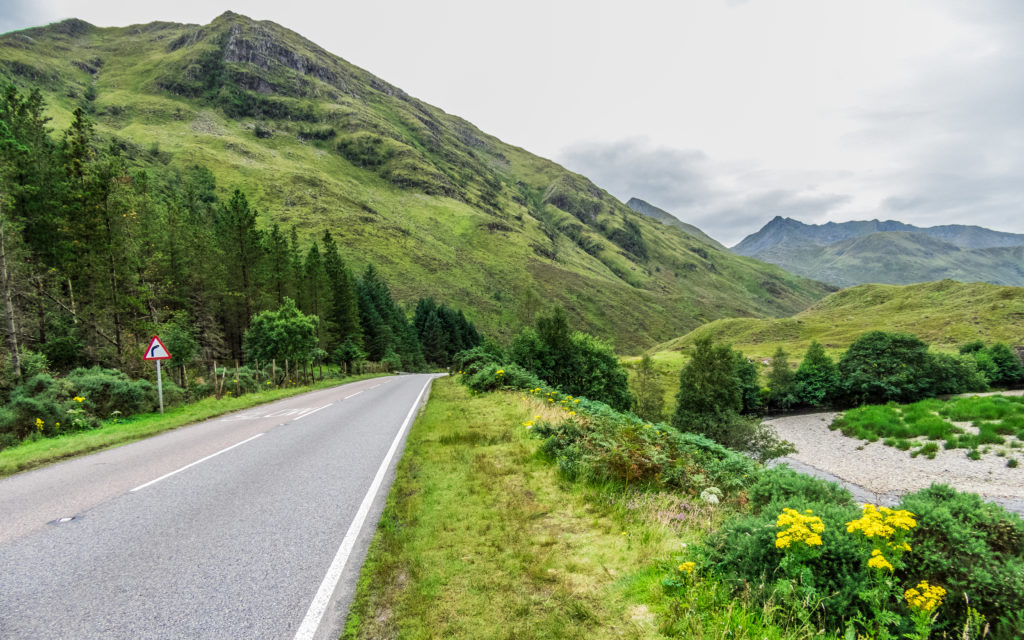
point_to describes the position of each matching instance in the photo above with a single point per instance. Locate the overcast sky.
(724, 112)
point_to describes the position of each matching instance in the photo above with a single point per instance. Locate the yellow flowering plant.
(922, 601)
(883, 534)
(799, 539)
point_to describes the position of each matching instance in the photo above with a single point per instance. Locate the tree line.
(103, 245)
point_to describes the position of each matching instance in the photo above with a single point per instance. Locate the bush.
(491, 377)
(783, 485)
(879, 367)
(743, 552)
(1009, 371)
(576, 363)
(109, 390)
(39, 398)
(969, 547)
(611, 446)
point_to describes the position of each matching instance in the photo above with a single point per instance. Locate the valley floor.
(883, 472)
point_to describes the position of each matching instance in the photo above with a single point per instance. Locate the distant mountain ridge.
(888, 252)
(651, 211)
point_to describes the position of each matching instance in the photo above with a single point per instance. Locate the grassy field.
(480, 538)
(995, 421)
(36, 453)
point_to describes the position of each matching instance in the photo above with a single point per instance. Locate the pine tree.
(278, 263)
(781, 382)
(344, 300)
(241, 245)
(316, 288)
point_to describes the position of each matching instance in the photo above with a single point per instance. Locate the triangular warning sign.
(156, 350)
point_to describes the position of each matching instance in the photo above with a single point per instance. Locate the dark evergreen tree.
(241, 249)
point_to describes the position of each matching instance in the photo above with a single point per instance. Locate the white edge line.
(192, 464)
(353, 395)
(311, 622)
(308, 413)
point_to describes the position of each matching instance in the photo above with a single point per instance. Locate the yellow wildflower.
(924, 597)
(688, 567)
(550, 400)
(572, 413)
(800, 527)
(881, 522)
(78, 399)
(39, 423)
(878, 561)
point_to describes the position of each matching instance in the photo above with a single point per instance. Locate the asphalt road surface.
(251, 525)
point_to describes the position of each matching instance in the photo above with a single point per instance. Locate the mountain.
(664, 217)
(441, 208)
(945, 314)
(890, 252)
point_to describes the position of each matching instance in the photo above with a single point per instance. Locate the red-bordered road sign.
(156, 350)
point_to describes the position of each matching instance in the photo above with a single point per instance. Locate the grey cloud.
(18, 14)
(633, 168)
(685, 183)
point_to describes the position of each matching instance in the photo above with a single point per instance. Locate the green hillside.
(944, 314)
(440, 207)
(651, 211)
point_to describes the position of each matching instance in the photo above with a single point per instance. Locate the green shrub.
(970, 547)
(491, 377)
(743, 552)
(1012, 463)
(618, 447)
(42, 398)
(573, 362)
(781, 484)
(109, 390)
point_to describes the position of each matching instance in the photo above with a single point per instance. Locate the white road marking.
(312, 411)
(330, 582)
(192, 464)
(353, 395)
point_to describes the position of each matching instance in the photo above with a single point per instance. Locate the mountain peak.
(651, 211)
(887, 251)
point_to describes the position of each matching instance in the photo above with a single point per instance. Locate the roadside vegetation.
(36, 451)
(581, 520)
(483, 537)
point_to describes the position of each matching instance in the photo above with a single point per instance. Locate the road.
(237, 527)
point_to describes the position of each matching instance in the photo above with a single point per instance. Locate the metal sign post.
(157, 351)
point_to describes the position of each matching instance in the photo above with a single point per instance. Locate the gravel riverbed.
(884, 473)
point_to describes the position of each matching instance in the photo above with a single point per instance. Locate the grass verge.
(37, 453)
(481, 538)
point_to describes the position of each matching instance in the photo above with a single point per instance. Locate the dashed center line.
(308, 413)
(353, 395)
(192, 464)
